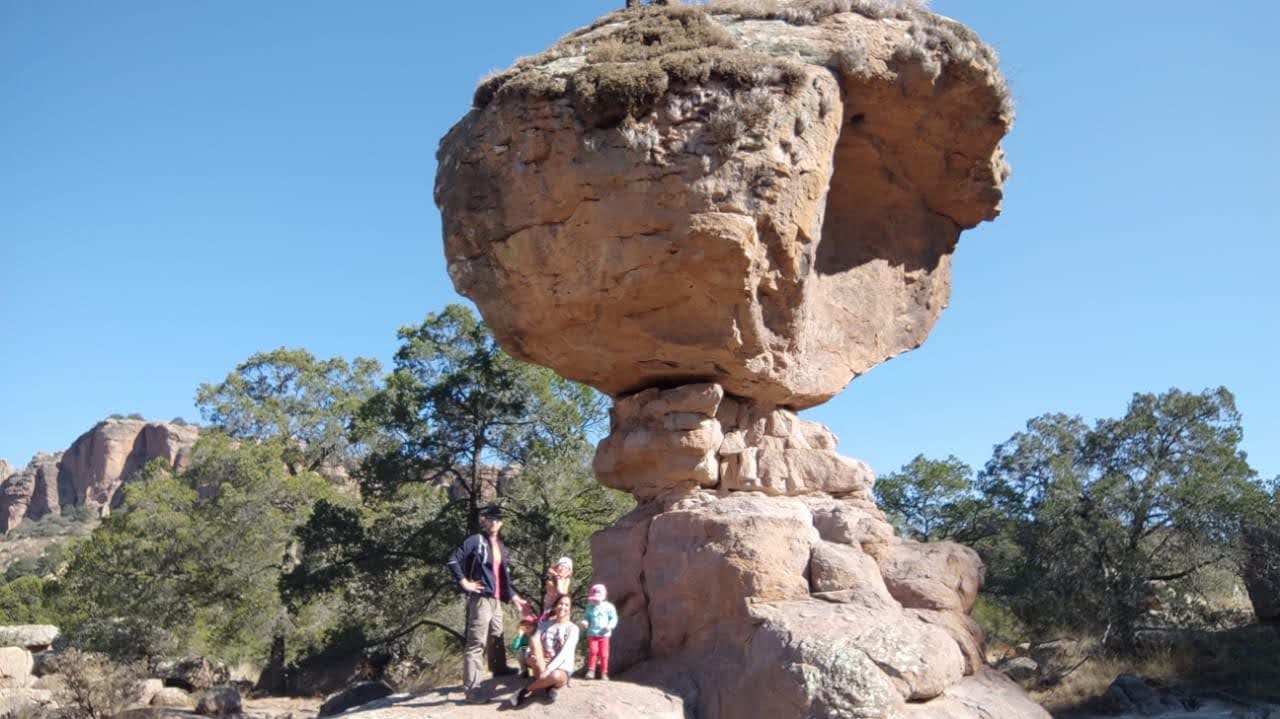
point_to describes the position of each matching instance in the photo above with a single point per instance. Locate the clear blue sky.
(183, 184)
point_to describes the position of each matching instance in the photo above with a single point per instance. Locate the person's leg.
(497, 648)
(604, 658)
(554, 680)
(593, 654)
(476, 635)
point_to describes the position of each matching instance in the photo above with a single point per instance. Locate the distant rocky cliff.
(92, 470)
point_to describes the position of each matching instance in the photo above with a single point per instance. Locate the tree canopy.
(304, 403)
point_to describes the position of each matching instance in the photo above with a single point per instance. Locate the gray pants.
(484, 628)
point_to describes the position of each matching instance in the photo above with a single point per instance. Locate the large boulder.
(768, 199)
(15, 668)
(25, 702)
(773, 616)
(34, 637)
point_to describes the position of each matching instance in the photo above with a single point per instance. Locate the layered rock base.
(758, 563)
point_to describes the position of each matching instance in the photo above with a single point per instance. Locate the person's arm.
(611, 617)
(536, 642)
(456, 558)
(457, 562)
(564, 658)
(507, 591)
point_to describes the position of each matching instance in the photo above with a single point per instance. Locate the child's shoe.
(604, 677)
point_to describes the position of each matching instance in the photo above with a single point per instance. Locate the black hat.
(493, 511)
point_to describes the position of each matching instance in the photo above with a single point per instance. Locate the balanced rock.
(720, 215)
(763, 198)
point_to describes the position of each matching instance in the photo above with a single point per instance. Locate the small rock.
(1020, 668)
(219, 701)
(171, 698)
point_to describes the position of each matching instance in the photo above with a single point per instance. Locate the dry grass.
(605, 93)
(1239, 662)
(812, 12)
(633, 57)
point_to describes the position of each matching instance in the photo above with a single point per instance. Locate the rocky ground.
(602, 700)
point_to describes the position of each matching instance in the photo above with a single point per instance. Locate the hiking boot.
(474, 697)
(552, 693)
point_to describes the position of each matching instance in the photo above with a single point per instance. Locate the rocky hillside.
(91, 471)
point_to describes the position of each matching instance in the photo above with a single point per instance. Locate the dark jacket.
(473, 561)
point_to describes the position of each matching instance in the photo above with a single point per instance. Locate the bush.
(94, 686)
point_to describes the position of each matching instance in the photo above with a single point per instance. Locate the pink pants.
(598, 648)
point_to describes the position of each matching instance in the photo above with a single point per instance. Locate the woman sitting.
(554, 645)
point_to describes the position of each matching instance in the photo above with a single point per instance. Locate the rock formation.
(91, 472)
(719, 215)
(670, 196)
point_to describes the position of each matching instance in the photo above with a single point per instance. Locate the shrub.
(94, 686)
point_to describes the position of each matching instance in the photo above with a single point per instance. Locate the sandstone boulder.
(774, 608)
(172, 698)
(147, 690)
(707, 562)
(770, 202)
(15, 668)
(695, 436)
(34, 637)
(932, 575)
(18, 702)
(983, 695)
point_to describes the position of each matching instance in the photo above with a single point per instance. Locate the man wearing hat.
(481, 569)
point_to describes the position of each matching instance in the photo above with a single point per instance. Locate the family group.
(547, 642)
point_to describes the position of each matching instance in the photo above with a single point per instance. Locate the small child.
(601, 618)
(556, 584)
(520, 645)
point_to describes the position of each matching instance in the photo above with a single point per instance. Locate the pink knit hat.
(597, 593)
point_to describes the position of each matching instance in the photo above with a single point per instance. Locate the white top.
(559, 642)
